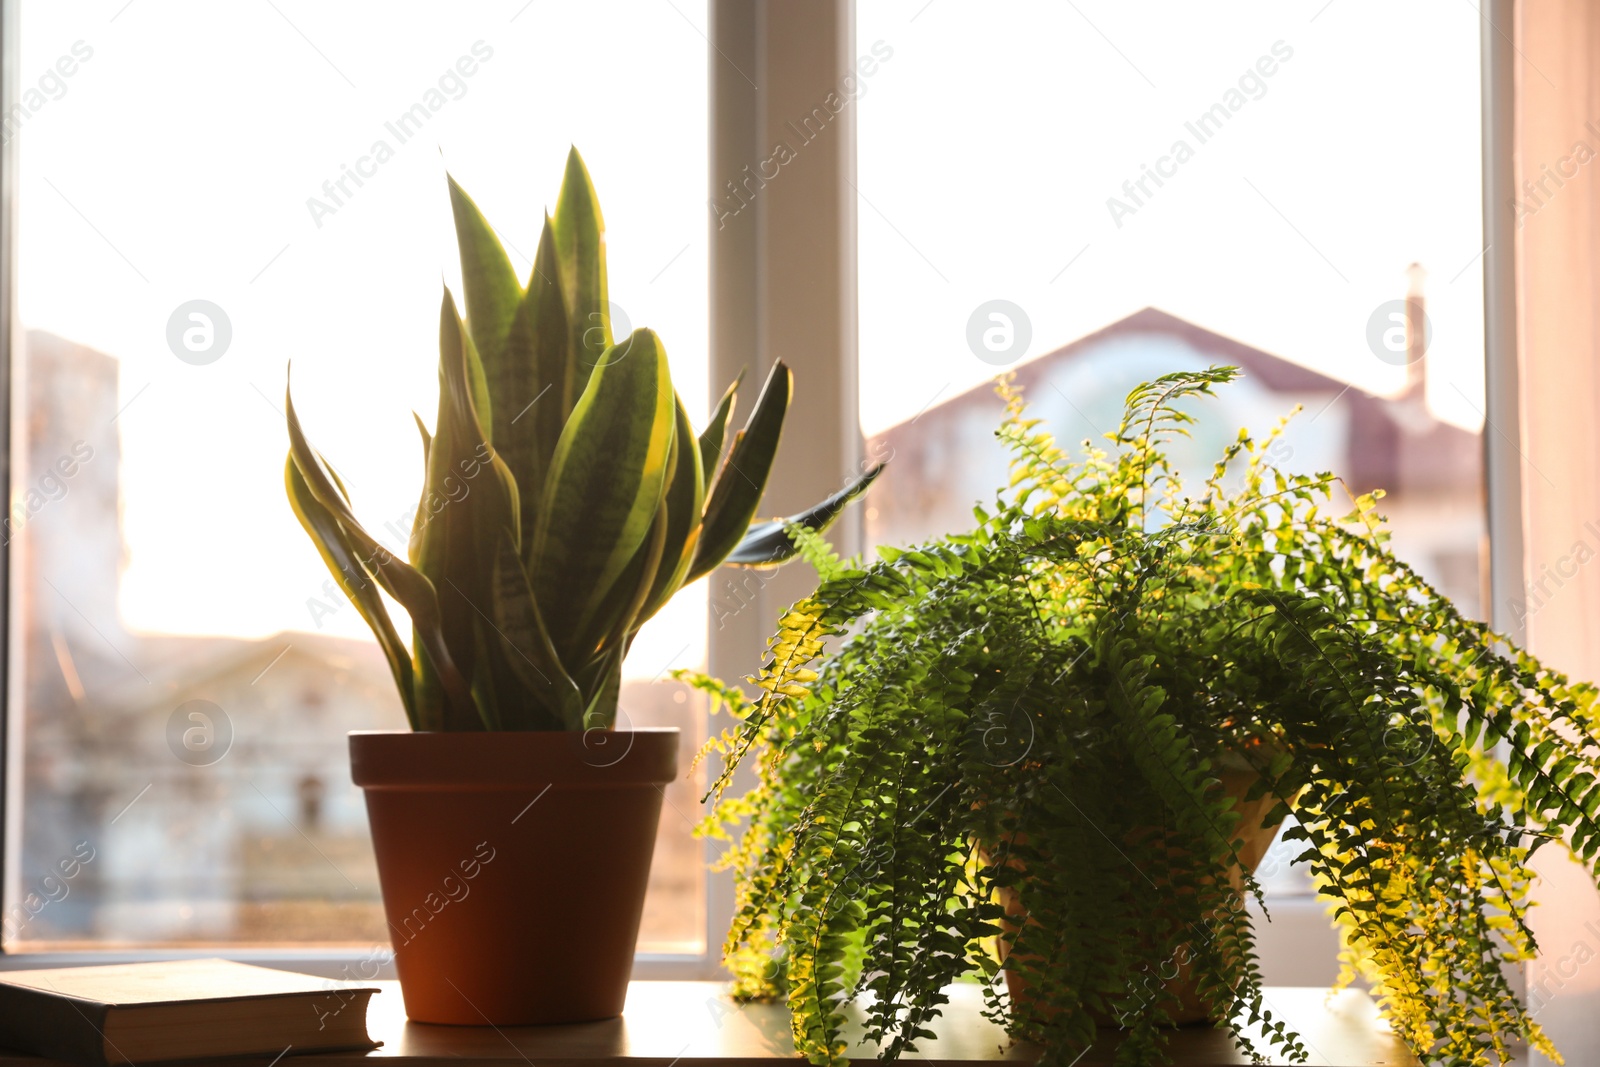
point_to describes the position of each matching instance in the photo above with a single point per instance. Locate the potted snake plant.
(566, 498)
(1048, 752)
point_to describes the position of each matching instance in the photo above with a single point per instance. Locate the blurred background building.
(257, 835)
(946, 459)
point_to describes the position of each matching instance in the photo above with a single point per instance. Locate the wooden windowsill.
(694, 1024)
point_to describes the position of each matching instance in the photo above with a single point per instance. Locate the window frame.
(784, 286)
(1503, 462)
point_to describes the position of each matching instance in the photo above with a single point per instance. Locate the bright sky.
(178, 161)
(191, 141)
(994, 136)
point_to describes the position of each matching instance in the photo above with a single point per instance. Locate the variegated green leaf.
(605, 482)
(737, 492)
(420, 517)
(581, 250)
(605, 683)
(537, 399)
(443, 546)
(767, 543)
(462, 373)
(491, 292)
(618, 614)
(716, 430)
(491, 678)
(469, 496)
(358, 585)
(427, 438)
(684, 501)
(527, 648)
(405, 583)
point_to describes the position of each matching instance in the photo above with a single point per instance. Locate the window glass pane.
(279, 168)
(1137, 189)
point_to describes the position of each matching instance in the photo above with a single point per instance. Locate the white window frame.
(1503, 460)
(783, 285)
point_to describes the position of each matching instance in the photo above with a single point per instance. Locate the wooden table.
(694, 1024)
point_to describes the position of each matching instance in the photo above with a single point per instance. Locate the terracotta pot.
(513, 866)
(1256, 840)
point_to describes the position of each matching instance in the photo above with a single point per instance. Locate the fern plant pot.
(1179, 981)
(513, 866)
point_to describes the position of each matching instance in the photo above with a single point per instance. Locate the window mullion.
(783, 286)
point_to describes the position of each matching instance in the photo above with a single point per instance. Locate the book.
(183, 1009)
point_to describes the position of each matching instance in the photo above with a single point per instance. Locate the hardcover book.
(183, 1009)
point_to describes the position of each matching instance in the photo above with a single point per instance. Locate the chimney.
(1416, 334)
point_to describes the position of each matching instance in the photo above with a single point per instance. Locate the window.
(1091, 200)
(208, 192)
(181, 679)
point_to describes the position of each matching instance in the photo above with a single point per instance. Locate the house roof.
(1273, 372)
(1393, 443)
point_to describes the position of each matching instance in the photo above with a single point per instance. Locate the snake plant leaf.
(606, 685)
(440, 491)
(685, 499)
(427, 438)
(526, 643)
(493, 687)
(655, 552)
(769, 542)
(716, 429)
(605, 482)
(737, 492)
(618, 613)
(477, 380)
(463, 712)
(358, 585)
(405, 583)
(333, 476)
(536, 401)
(489, 288)
(469, 495)
(462, 371)
(420, 517)
(580, 244)
(443, 547)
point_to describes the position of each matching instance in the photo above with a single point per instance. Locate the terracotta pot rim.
(513, 760)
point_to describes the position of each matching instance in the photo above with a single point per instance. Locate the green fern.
(1039, 709)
